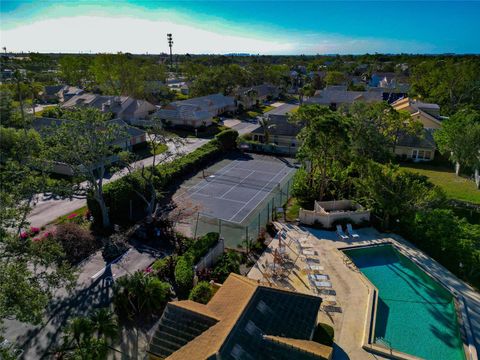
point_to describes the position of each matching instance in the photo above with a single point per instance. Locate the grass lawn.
(40, 113)
(455, 187)
(68, 217)
(293, 209)
(147, 151)
(208, 133)
(255, 111)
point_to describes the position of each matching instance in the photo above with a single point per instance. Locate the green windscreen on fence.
(235, 234)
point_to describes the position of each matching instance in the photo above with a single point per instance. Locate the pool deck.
(353, 294)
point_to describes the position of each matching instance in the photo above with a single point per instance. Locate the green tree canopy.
(323, 141)
(459, 138)
(202, 292)
(139, 296)
(394, 194)
(451, 83)
(86, 143)
(374, 129)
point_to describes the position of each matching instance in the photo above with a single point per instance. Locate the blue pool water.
(415, 314)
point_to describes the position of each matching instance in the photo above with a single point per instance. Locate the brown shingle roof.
(311, 347)
(228, 304)
(240, 301)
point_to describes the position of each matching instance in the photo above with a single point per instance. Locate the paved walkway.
(282, 109)
(351, 291)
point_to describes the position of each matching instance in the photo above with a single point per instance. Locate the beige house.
(422, 147)
(426, 113)
(418, 148)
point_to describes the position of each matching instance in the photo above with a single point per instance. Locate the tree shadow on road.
(41, 341)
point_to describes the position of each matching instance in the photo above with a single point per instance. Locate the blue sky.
(265, 27)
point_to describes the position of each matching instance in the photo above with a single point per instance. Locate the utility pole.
(170, 43)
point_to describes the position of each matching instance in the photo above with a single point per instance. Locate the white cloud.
(105, 34)
(137, 34)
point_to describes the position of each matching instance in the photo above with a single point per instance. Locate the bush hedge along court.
(120, 196)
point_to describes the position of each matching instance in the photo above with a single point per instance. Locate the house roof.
(208, 102)
(414, 106)
(119, 105)
(262, 90)
(424, 140)
(199, 109)
(240, 316)
(282, 127)
(51, 90)
(334, 96)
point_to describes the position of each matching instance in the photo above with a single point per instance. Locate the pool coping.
(369, 329)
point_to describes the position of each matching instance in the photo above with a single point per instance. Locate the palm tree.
(80, 341)
(266, 125)
(104, 323)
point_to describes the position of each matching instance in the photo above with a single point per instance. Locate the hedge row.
(183, 276)
(201, 246)
(119, 194)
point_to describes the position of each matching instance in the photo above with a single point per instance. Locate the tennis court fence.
(236, 234)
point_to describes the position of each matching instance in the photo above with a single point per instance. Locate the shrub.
(139, 296)
(227, 139)
(183, 275)
(202, 292)
(201, 246)
(77, 242)
(114, 247)
(323, 334)
(228, 263)
(165, 268)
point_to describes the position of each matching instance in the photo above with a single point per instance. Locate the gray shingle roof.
(327, 97)
(262, 90)
(424, 140)
(199, 109)
(120, 105)
(282, 127)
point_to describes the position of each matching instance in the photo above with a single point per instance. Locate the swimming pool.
(415, 314)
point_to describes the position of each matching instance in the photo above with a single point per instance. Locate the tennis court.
(234, 192)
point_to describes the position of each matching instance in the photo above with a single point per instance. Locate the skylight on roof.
(237, 352)
(251, 328)
(262, 307)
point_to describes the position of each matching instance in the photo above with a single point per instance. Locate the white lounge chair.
(323, 284)
(352, 233)
(340, 233)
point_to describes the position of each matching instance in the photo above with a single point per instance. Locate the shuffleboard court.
(236, 190)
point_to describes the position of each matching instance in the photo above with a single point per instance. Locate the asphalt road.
(93, 290)
(48, 208)
(282, 109)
